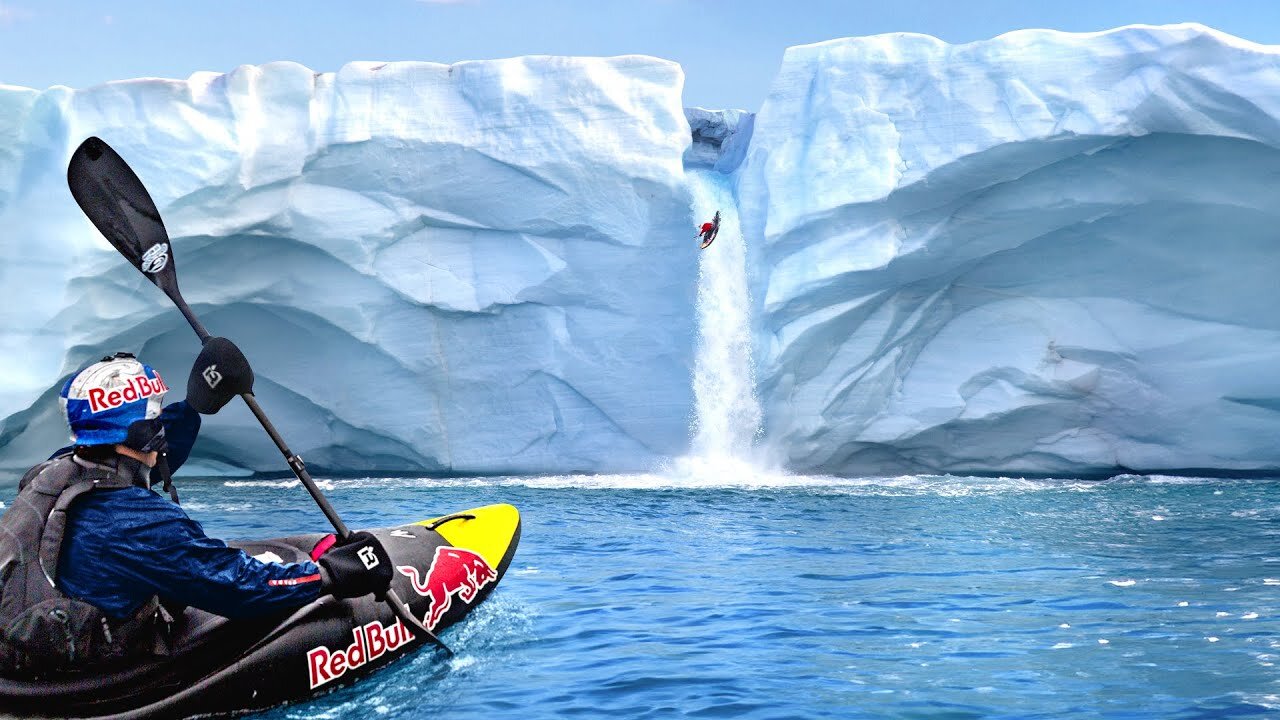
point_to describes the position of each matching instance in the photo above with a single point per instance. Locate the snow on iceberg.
(1044, 253)
(434, 268)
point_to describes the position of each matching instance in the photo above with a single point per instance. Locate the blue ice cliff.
(1044, 253)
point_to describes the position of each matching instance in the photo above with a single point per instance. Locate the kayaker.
(96, 565)
(709, 230)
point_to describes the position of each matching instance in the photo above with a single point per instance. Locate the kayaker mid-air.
(96, 565)
(709, 230)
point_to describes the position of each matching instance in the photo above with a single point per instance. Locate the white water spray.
(727, 412)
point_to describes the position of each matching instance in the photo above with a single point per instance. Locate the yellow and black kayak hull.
(444, 567)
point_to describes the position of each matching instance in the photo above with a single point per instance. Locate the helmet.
(116, 400)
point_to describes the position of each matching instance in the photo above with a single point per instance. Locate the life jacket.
(42, 629)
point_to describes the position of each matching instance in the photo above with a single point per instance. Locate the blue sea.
(807, 597)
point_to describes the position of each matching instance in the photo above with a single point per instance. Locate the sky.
(730, 49)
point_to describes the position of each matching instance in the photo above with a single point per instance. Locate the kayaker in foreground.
(95, 565)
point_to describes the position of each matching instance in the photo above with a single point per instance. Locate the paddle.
(115, 200)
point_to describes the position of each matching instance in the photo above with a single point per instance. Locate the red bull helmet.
(115, 400)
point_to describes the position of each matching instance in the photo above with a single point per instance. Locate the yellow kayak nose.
(492, 532)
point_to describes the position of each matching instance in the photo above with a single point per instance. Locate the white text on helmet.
(136, 388)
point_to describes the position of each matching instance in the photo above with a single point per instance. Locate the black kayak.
(445, 567)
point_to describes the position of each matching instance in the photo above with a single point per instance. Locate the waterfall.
(727, 412)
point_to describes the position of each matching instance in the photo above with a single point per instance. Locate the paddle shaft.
(299, 468)
(196, 325)
(114, 198)
(295, 462)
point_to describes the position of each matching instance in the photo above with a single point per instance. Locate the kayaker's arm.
(171, 556)
(130, 544)
(181, 426)
(206, 574)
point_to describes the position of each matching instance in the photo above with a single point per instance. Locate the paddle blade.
(115, 200)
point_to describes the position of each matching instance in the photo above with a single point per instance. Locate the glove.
(359, 566)
(219, 373)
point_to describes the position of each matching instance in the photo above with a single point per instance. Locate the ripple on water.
(636, 597)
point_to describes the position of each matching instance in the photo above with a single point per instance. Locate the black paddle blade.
(115, 200)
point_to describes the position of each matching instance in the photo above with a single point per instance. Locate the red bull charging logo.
(454, 572)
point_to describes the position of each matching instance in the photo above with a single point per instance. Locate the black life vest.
(43, 630)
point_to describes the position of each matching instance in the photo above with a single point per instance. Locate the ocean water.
(799, 597)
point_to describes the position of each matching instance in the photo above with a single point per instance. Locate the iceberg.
(455, 269)
(1042, 254)
(1047, 253)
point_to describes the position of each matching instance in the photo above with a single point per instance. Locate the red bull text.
(135, 388)
(454, 571)
(372, 641)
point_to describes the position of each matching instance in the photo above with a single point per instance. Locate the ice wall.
(434, 268)
(1046, 253)
(720, 139)
(1043, 253)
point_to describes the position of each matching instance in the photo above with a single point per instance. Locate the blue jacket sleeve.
(181, 425)
(168, 553)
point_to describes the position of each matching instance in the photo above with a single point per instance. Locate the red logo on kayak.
(372, 641)
(454, 571)
(135, 388)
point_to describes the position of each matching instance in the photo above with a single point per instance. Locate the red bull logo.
(454, 572)
(372, 641)
(135, 388)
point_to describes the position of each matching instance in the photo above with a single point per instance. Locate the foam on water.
(322, 484)
(710, 473)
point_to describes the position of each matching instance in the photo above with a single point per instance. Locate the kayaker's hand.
(219, 373)
(357, 567)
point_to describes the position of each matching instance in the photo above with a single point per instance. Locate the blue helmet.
(103, 400)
